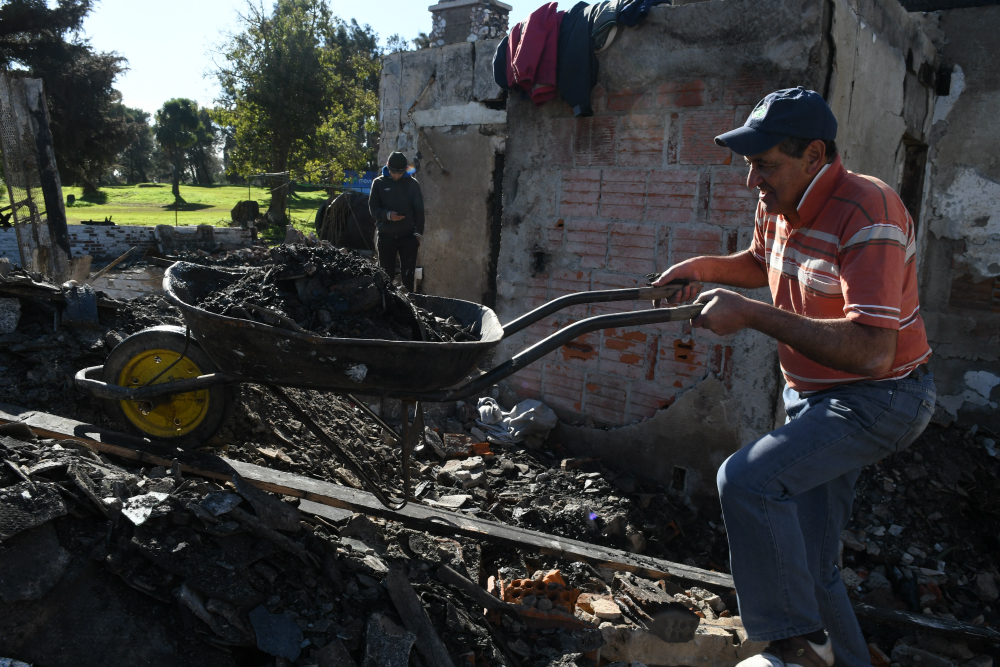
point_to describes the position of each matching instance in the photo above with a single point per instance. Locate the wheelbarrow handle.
(563, 336)
(597, 296)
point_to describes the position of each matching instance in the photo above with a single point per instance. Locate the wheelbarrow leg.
(348, 460)
(412, 435)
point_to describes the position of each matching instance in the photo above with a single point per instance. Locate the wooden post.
(55, 211)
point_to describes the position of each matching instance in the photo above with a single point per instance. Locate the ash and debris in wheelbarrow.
(331, 292)
(948, 514)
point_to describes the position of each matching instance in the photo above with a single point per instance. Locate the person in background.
(397, 205)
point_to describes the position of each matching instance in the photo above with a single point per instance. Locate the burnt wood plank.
(324, 493)
(922, 622)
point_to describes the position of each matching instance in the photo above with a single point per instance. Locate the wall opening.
(495, 204)
(678, 480)
(911, 189)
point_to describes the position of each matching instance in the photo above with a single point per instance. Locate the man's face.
(396, 175)
(782, 179)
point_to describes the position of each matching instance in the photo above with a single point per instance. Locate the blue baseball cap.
(792, 112)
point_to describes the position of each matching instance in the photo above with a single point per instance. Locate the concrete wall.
(451, 121)
(881, 85)
(109, 242)
(960, 289)
(597, 203)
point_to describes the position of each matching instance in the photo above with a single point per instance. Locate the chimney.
(456, 21)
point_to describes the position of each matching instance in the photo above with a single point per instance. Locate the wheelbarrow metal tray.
(263, 353)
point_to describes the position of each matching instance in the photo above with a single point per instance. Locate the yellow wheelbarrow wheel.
(139, 359)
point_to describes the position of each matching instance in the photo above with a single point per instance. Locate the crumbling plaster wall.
(451, 121)
(881, 85)
(597, 203)
(960, 289)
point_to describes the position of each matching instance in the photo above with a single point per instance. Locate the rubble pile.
(236, 567)
(925, 534)
(245, 571)
(37, 364)
(326, 291)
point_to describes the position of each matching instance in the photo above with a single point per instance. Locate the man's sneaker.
(794, 652)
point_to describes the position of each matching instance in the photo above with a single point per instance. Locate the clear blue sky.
(169, 44)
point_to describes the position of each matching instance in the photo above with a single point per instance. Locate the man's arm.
(375, 205)
(839, 344)
(739, 270)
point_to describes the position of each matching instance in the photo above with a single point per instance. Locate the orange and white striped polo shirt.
(851, 255)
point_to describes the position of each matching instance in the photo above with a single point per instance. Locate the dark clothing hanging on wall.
(500, 64)
(637, 11)
(577, 61)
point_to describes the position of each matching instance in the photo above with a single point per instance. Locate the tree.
(396, 43)
(201, 154)
(299, 94)
(89, 125)
(177, 128)
(136, 161)
(421, 41)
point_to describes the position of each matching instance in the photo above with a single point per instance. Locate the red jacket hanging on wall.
(532, 53)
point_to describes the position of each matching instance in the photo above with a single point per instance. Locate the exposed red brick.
(681, 94)
(564, 282)
(527, 382)
(580, 192)
(673, 138)
(631, 248)
(629, 99)
(671, 196)
(614, 281)
(646, 398)
(560, 142)
(595, 141)
(605, 397)
(589, 240)
(732, 242)
(698, 137)
(606, 281)
(562, 388)
(704, 190)
(696, 241)
(582, 351)
(554, 237)
(747, 89)
(623, 194)
(641, 141)
(733, 203)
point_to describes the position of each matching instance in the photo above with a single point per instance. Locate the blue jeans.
(787, 496)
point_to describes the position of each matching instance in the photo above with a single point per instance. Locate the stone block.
(717, 644)
(483, 86)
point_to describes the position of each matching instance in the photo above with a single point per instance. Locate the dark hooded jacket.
(403, 197)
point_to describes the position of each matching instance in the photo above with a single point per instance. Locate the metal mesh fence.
(20, 163)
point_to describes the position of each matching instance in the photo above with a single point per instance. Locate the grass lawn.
(152, 204)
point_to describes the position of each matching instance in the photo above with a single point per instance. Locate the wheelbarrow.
(176, 383)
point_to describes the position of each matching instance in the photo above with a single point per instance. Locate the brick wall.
(640, 186)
